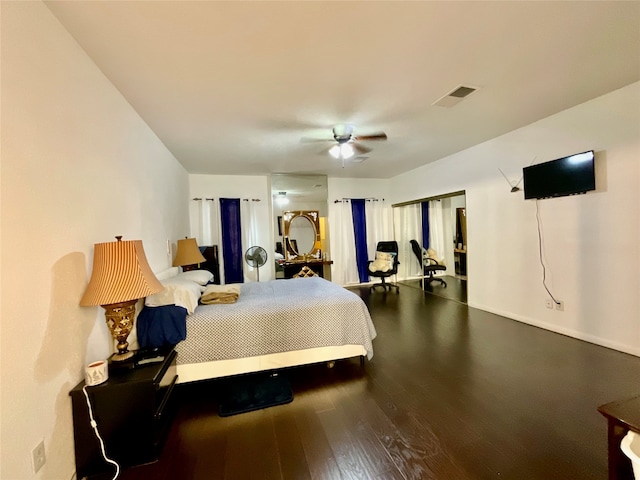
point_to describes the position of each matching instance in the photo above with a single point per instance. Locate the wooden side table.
(622, 416)
(133, 409)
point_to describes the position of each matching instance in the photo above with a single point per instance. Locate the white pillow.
(201, 277)
(383, 262)
(182, 293)
(279, 256)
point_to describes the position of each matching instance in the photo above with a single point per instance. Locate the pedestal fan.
(255, 258)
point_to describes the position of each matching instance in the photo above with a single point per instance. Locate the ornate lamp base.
(120, 318)
(121, 357)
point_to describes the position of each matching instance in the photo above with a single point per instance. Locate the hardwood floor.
(451, 393)
(456, 288)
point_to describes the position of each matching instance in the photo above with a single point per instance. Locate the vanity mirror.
(301, 235)
(295, 193)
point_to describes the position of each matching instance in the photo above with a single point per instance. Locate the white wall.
(242, 186)
(79, 166)
(591, 242)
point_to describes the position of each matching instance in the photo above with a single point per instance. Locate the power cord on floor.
(544, 269)
(95, 429)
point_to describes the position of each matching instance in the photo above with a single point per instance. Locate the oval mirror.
(302, 235)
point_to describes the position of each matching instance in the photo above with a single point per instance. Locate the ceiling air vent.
(455, 96)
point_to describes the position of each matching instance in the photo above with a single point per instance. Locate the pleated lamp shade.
(188, 253)
(120, 273)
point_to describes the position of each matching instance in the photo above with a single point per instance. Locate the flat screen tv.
(565, 176)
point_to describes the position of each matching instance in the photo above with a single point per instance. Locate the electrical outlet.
(560, 305)
(38, 457)
(548, 303)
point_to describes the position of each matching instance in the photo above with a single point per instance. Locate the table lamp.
(121, 275)
(188, 255)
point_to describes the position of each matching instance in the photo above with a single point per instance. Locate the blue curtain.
(360, 233)
(425, 224)
(231, 240)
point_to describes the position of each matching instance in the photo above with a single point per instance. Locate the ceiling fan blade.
(374, 136)
(314, 140)
(360, 148)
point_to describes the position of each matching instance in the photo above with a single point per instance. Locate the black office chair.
(387, 247)
(429, 266)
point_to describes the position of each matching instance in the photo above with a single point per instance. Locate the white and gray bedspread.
(277, 316)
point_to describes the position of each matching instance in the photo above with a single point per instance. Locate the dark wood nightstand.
(622, 416)
(133, 410)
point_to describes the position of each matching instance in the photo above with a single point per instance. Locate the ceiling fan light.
(282, 199)
(346, 150)
(343, 151)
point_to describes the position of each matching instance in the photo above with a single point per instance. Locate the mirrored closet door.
(431, 235)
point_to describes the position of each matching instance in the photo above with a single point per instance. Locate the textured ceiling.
(232, 87)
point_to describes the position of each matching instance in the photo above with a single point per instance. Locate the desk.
(292, 268)
(622, 416)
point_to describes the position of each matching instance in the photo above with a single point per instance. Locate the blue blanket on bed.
(159, 326)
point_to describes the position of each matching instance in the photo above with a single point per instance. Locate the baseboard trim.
(603, 342)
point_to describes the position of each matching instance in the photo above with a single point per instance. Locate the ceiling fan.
(347, 145)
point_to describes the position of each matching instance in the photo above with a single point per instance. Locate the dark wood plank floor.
(451, 393)
(456, 288)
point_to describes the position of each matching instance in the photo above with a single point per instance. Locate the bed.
(274, 324)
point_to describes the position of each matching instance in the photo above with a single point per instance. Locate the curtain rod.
(197, 199)
(371, 199)
(428, 199)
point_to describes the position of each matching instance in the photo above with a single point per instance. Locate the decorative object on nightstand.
(188, 255)
(121, 275)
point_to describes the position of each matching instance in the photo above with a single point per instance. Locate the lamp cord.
(544, 269)
(95, 429)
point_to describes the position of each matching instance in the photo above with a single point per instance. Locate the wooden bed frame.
(223, 368)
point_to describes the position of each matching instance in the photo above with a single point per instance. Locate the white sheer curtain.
(408, 221)
(436, 228)
(203, 217)
(195, 219)
(344, 270)
(249, 226)
(204, 221)
(379, 224)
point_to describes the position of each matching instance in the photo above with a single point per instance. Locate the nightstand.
(133, 410)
